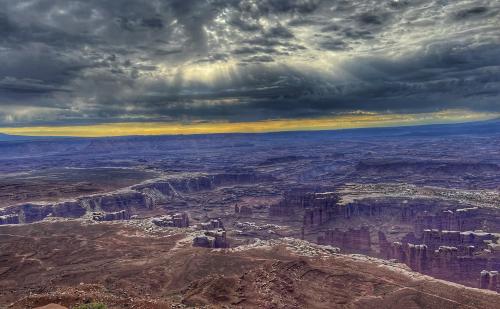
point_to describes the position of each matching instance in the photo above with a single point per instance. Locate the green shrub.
(91, 306)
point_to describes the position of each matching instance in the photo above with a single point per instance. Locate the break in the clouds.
(68, 61)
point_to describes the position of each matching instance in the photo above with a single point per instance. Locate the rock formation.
(462, 240)
(446, 262)
(213, 236)
(462, 219)
(9, 219)
(213, 224)
(352, 239)
(175, 220)
(314, 208)
(243, 210)
(201, 182)
(111, 216)
(489, 280)
(212, 239)
(139, 197)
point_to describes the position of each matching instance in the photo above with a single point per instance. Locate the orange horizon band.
(349, 121)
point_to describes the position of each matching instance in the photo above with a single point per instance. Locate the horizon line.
(334, 122)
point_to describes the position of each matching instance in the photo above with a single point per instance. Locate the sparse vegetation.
(91, 306)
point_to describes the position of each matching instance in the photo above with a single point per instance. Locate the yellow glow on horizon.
(347, 121)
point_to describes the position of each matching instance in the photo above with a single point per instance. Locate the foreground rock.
(120, 266)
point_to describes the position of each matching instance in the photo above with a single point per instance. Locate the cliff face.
(488, 280)
(243, 210)
(118, 201)
(312, 208)
(462, 219)
(31, 213)
(464, 241)
(450, 255)
(188, 184)
(68, 210)
(445, 262)
(457, 255)
(9, 219)
(434, 237)
(137, 198)
(111, 216)
(127, 201)
(423, 213)
(351, 240)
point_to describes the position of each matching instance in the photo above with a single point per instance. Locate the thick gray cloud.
(71, 61)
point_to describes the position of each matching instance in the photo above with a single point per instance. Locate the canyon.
(366, 218)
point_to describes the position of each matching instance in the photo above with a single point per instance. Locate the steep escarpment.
(31, 212)
(133, 200)
(200, 182)
(442, 238)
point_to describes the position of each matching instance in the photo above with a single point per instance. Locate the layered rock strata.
(111, 216)
(351, 239)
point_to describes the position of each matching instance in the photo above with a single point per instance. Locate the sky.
(181, 66)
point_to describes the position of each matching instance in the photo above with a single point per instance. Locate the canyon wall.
(358, 240)
(138, 198)
(440, 238)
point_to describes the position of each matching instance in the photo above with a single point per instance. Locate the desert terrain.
(405, 217)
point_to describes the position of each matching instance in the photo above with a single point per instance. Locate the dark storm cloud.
(93, 60)
(254, 50)
(263, 58)
(371, 19)
(279, 32)
(333, 44)
(471, 12)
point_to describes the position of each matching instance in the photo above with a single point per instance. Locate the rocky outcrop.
(176, 220)
(140, 197)
(417, 257)
(118, 201)
(317, 208)
(111, 216)
(462, 219)
(214, 235)
(9, 219)
(202, 241)
(72, 209)
(351, 239)
(29, 213)
(314, 208)
(176, 186)
(200, 182)
(489, 280)
(421, 213)
(212, 239)
(213, 224)
(243, 210)
(445, 262)
(219, 236)
(106, 203)
(464, 241)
